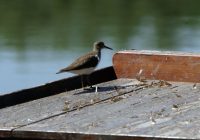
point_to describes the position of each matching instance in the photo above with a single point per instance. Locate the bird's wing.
(86, 61)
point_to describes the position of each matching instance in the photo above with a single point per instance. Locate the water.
(37, 38)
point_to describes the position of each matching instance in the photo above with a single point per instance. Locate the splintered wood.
(157, 65)
(123, 108)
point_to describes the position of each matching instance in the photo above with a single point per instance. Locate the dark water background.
(38, 37)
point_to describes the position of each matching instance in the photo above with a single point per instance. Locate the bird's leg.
(82, 81)
(84, 76)
(88, 81)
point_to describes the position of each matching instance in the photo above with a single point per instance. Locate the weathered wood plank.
(55, 87)
(154, 110)
(156, 65)
(44, 108)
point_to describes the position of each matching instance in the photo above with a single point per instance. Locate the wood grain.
(122, 109)
(31, 112)
(143, 111)
(155, 65)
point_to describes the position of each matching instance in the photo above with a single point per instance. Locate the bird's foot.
(92, 88)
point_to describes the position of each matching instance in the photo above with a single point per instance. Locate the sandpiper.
(86, 64)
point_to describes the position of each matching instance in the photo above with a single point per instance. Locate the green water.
(38, 37)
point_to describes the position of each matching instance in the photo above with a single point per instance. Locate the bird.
(87, 63)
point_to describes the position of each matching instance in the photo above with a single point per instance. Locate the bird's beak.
(108, 47)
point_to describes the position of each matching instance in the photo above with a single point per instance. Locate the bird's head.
(100, 45)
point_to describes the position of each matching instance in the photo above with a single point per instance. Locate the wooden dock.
(137, 106)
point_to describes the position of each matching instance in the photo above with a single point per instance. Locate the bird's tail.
(62, 70)
(59, 72)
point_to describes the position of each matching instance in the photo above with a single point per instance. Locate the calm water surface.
(37, 38)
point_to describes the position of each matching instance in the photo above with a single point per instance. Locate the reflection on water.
(39, 37)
